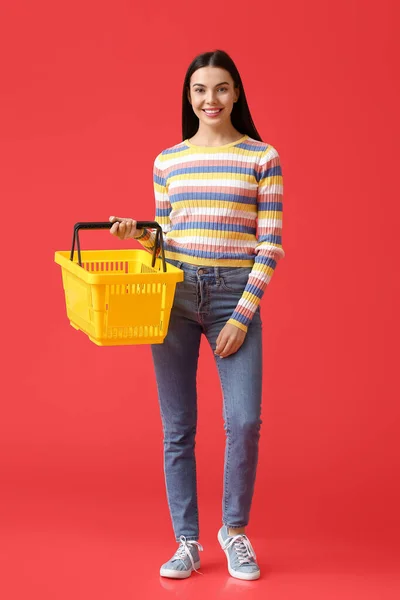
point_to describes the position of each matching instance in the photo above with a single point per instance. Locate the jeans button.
(201, 271)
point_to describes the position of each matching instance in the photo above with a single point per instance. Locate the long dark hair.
(240, 115)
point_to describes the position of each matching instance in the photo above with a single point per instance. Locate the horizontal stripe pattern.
(222, 206)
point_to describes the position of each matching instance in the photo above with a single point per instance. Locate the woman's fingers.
(220, 344)
(128, 228)
(226, 351)
(114, 229)
(229, 349)
(229, 340)
(223, 345)
(122, 228)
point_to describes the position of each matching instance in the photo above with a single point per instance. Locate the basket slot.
(97, 266)
(139, 331)
(119, 266)
(135, 288)
(105, 267)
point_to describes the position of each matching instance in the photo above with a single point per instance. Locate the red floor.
(56, 548)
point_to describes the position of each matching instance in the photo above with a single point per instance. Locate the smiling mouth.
(212, 113)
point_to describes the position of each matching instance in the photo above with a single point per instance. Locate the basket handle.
(107, 225)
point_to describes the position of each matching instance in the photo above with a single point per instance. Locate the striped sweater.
(221, 206)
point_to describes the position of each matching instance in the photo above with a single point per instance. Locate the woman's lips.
(212, 113)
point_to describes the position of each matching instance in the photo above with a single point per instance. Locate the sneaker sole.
(238, 575)
(174, 574)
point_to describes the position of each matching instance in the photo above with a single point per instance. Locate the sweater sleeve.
(162, 211)
(269, 238)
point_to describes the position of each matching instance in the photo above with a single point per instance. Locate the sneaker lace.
(184, 550)
(243, 548)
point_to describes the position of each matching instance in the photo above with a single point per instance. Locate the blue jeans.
(203, 303)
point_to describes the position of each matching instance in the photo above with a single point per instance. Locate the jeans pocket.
(236, 279)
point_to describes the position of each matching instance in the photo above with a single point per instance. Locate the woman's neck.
(212, 137)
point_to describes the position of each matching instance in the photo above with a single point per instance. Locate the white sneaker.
(185, 560)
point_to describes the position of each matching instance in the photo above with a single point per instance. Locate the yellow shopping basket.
(119, 297)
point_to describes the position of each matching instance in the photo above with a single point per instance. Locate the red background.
(90, 94)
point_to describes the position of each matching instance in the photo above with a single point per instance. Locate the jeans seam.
(164, 423)
(195, 475)
(225, 286)
(227, 442)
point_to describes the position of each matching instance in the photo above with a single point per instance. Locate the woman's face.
(212, 95)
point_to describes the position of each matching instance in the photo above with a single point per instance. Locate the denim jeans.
(203, 303)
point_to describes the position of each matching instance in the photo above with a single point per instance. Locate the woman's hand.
(124, 228)
(229, 340)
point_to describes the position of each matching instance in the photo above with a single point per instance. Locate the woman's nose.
(210, 99)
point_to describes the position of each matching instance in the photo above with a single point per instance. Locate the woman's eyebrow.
(202, 84)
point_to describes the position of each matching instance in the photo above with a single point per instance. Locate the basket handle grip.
(107, 225)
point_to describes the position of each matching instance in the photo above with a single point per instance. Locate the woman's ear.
(188, 96)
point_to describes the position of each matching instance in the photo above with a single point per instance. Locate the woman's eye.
(222, 88)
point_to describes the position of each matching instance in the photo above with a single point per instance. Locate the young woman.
(218, 196)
